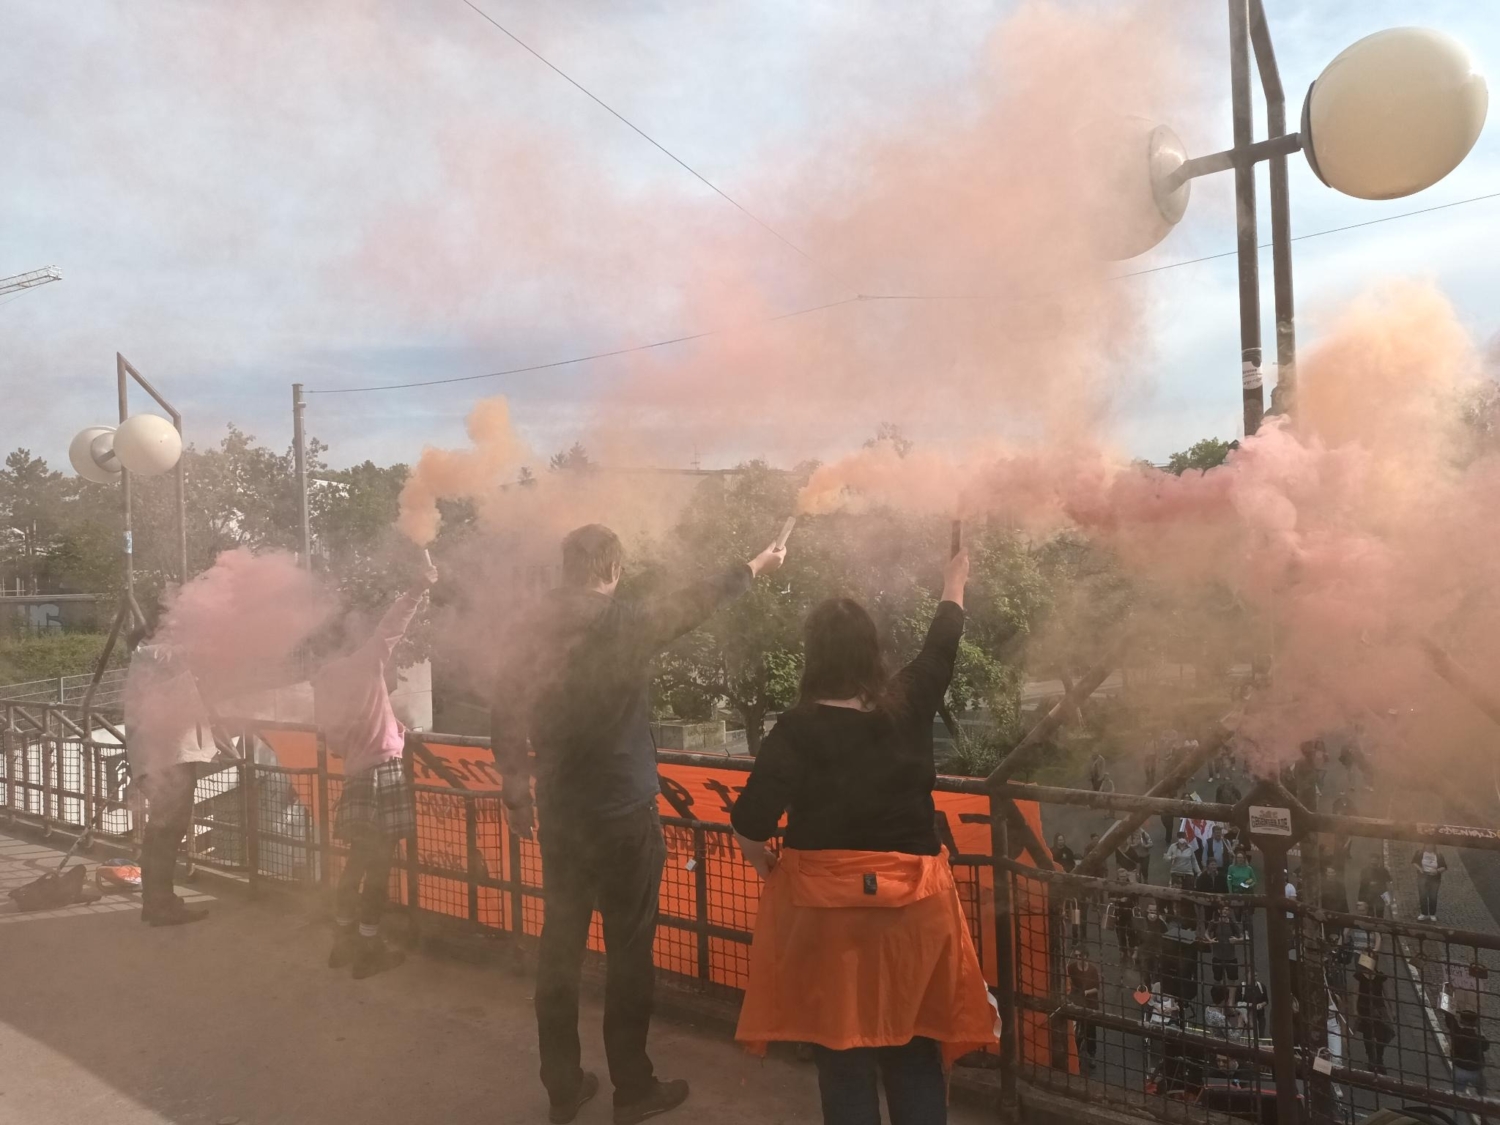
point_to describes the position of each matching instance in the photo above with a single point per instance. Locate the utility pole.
(299, 449)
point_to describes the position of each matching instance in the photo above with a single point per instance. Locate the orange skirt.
(864, 949)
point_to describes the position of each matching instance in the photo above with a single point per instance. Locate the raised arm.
(924, 681)
(661, 620)
(510, 734)
(397, 619)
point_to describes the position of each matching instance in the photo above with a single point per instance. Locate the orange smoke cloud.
(491, 462)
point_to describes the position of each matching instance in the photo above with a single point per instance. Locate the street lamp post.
(1390, 116)
(141, 445)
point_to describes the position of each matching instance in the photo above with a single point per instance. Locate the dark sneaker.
(562, 1113)
(373, 956)
(345, 945)
(664, 1096)
(171, 912)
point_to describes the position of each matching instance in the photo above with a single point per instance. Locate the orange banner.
(712, 867)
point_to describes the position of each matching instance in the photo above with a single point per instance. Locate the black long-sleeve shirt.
(1467, 1045)
(575, 684)
(857, 780)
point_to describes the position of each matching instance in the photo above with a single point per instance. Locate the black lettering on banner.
(725, 794)
(677, 796)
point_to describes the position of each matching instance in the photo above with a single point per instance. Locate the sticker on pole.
(1267, 821)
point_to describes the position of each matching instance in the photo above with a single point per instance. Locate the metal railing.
(67, 689)
(1277, 1010)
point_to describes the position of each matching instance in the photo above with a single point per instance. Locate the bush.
(51, 655)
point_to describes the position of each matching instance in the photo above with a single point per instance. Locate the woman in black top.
(851, 765)
(881, 993)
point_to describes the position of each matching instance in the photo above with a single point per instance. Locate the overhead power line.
(699, 176)
(870, 298)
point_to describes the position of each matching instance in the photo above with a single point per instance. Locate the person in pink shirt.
(352, 705)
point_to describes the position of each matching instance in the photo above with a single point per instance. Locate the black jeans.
(169, 816)
(616, 865)
(1427, 894)
(365, 884)
(915, 1091)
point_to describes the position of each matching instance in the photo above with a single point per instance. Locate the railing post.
(1279, 949)
(249, 785)
(510, 867)
(700, 897)
(471, 856)
(413, 870)
(7, 749)
(325, 828)
(1005, 961)
(47, 758)
(87, 767)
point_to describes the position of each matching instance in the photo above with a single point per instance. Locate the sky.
(353, 192)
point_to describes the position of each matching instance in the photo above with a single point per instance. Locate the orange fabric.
(834, 965)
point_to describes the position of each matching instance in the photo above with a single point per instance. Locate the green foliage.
(49, 655)
(889, 433)
(575, 457)
(1202, 455)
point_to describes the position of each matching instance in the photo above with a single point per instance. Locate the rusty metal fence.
(1161, 1003)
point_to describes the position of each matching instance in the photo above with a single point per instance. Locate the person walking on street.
(1257, 999)
(1225, 958)
(169, 743)
(1138, 851)
(1241, 880)
(1430, 865)
(1375, 885)
(1182, 863)
(1372, 1015)
(1063, 855)
(861, 947)
(352, 705)
(1122, 902)
(574, 688)
(1467, 1046)
(1153, 931)
(1212, 881)
(1083, 992)
(1215, 847)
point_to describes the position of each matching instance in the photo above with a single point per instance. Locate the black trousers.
(916, 1091)
(169, 816)
(365, 884)
(614, 865)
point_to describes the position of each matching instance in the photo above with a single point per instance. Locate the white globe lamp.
(148, 445)
(1394, 113)
(1128, 162)
(92, 455)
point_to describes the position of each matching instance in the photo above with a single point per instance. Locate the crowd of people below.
(1191, 962)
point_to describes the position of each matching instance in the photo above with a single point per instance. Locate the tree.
(33, 499)
(575, 457)
(1202, 455)
(747, 654)
(889, 433)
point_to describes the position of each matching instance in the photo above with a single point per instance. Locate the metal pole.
(299, 452)
(124, 395)
(1244, 197)
(1279, 946)
(1005, 961)
(181, 487)
(1284, 396)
